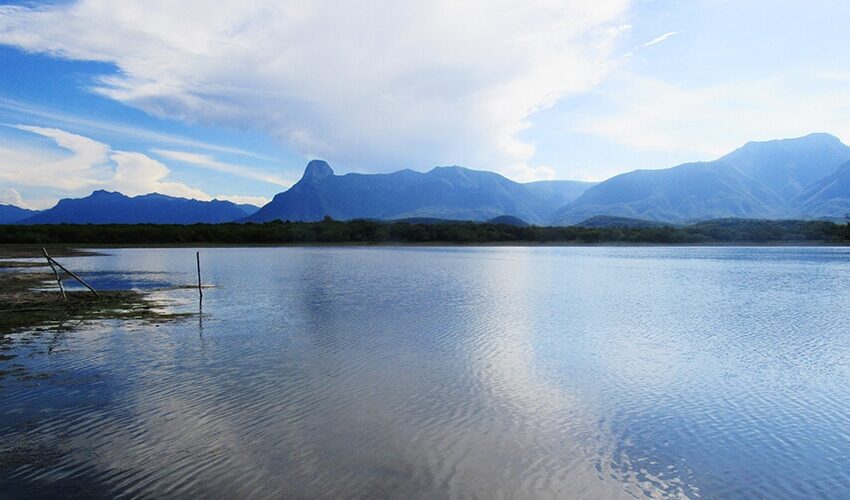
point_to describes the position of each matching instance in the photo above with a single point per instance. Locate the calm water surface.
(444, 372)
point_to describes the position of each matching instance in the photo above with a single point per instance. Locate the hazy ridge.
(801, 178)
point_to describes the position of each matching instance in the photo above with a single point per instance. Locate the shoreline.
(30, 298)
(84, 249)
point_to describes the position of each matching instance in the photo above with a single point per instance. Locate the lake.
(428, 372)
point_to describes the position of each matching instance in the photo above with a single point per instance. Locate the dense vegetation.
(366, 231)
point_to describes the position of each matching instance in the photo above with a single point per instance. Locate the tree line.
(330, 231)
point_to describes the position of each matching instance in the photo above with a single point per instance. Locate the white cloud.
(82, 165)
(9, 196)
(258, 201)
(370, 84)
(137, 174)
(209, 162)
(708, 121)
(526, 173)
(614, 31)
(101, 127)
(661, 38)
(654, 41)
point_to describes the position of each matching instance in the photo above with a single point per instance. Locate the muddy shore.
(30, 297)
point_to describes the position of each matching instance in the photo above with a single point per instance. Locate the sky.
(231, 102)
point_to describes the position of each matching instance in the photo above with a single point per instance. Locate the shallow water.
(444, 372)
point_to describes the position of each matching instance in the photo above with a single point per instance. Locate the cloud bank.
(708, 121)
(82, 165)
(370, 85)
(9, 196)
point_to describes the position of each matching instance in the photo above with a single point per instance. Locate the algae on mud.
(25, 301)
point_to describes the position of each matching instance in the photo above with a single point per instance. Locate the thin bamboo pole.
(76, 278)
(55, 273)
(198, 259)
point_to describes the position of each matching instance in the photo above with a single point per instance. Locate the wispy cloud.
(705, 122)
(86, 165)
(659, 39)
(83, 167)
(114, 129)
(257, 201)
(654, 41)
(373, 84)
(9, 196)
(209, 162)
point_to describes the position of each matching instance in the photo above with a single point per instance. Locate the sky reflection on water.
(446, 372)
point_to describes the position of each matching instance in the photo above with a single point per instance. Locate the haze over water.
(446, 372)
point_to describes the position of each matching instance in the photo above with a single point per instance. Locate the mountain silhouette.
(104, 207)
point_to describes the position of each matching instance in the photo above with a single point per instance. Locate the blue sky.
(231, 102)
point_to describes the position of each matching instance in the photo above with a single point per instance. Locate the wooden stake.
(198, 259)
(76, 278)
(55, 273)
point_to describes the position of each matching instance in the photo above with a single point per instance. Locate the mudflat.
(30, 297)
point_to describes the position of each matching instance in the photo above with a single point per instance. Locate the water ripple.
(446, 373)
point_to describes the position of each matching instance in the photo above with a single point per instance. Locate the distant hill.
(605, 221)
(104, 207)
(763, 180)
(509, 220)
(688, 192)
(455, 193)
(559, 193)
(829, 197)
(247, 208)
(419, 220)
(10, 214)
(790, 166)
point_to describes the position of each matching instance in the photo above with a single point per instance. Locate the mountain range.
(10, 214)
(445, 192)
(104, 207)
(806, 177)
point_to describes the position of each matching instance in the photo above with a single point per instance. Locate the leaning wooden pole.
(55, 273)
(198, 260)
(76, 278)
